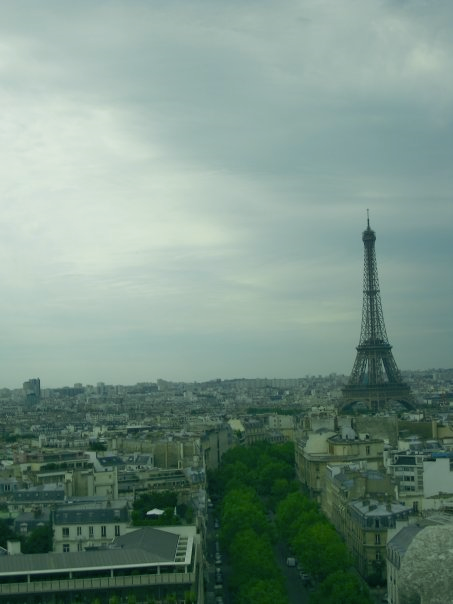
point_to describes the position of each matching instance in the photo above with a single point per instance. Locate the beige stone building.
(316, 450)
(358, 501)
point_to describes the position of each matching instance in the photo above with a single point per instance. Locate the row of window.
(65, 531)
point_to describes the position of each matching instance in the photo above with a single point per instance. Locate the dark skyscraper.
(375, 377)
(32, 390)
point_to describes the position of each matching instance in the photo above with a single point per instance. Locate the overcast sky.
(184, 186)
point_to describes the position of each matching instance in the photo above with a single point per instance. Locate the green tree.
(165, 500)
(263, 591)
(342, 587)
(242, 510)
(250, 480)
(251, 556)
(270, 472)
(285, 452)
(296, 512)
(40, 541)
(321, 551)
(6, 534)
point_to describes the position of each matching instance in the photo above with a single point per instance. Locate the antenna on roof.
(368, 217)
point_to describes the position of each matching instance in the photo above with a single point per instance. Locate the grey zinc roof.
(151, 539)
(96, 512)
(376, 508)
(402, 540)
(37, 563)
(38, 494)
(145, 546)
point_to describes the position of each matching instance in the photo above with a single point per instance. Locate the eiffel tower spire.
(375, 377)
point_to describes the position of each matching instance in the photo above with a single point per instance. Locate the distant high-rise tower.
(375, 378)
(32, 390)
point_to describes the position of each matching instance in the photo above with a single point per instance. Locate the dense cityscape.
(79, 458)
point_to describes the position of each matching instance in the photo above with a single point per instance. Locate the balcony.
(65, 585)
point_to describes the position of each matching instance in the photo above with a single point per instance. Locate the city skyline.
(184, 187)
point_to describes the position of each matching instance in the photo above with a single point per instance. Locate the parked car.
(306, 579)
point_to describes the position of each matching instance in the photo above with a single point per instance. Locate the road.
(297, 592)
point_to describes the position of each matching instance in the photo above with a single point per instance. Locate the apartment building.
(406, 468)
(359, 503)
(316, 450)
(43, 497)
(423, 478)
(366, 524)
(89, 524)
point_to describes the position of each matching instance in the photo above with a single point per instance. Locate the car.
(306, 579)
(218, 559)
(216, 524)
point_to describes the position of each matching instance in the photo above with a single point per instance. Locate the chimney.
(13, 548)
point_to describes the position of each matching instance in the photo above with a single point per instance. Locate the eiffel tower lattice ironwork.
(375, 378)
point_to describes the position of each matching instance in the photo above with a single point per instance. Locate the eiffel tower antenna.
(375, 378)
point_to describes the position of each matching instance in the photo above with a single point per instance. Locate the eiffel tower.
(375, 378)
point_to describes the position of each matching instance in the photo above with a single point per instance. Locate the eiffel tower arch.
(375, 378)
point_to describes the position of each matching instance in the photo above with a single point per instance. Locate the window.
(103, 531)
(377, 539)
(368, 450)
(66, 547)
(79, 531)
(117, 530)
(91, 531)
(79, 547)
(65, 531)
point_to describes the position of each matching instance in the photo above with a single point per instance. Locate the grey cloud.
(179, 175)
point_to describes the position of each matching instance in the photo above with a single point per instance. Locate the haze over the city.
(184, 186)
